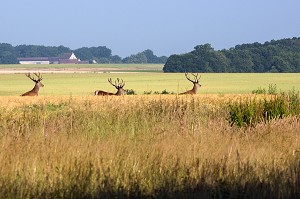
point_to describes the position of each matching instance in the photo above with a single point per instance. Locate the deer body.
(99, 92)
(37, 86)
(196, 86)
(118, 85)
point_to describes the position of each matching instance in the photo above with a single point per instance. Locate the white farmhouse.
(66, 58)
(34, 60)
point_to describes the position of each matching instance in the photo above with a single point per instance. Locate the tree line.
(273, 56)
(100, 54)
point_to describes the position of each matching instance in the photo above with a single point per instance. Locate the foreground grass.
(142, 146)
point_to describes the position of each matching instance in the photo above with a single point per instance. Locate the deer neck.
(36, 88)
(120, 91)
(195, 87)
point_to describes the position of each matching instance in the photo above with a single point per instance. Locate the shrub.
(272, 90)
(242, 113)
(259, 91)
(294, 99)
(147, 92)
(130, 92)
(164, 92)
(253, 111)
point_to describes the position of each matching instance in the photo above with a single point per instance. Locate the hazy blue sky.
(131, 26)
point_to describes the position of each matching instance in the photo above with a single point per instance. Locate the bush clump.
(252, 111)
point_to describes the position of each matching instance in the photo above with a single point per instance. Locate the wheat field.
(145, 146)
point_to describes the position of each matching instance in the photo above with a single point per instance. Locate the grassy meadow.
(145, 146)
(66, 143)
(83, 84)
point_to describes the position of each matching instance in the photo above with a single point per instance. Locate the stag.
(195, 82)
(118, 85)
(37, 86)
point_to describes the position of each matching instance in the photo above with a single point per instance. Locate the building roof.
(68, 61)
(65, 56)
(33, 59)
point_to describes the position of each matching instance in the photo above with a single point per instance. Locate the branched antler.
(118, 84)
(196, 78)
(32, 78)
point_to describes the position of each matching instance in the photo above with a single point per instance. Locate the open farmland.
(80, 68)
(67, 143)
(86, 83)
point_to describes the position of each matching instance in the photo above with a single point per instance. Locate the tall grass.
(252, 111)
(142, 147)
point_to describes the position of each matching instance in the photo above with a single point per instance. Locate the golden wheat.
(142, 146)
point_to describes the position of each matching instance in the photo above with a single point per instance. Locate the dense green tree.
(7, 57)
(151, 58)
(176, 63)
(241, 60)
(213, 61)
(273, 56)
(147, 56)
(202, 59)
(6, 47)
(101, 52)
(138, 58)
(40, 51)
(7, 54)
(84, 53)
(162, 59)
(115, 59)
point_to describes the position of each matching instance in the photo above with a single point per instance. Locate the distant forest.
(101, 54)
(274, 56)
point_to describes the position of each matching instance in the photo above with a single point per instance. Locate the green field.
(119, 67)
(86, 83)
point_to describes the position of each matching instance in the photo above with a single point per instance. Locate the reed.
(143, 146)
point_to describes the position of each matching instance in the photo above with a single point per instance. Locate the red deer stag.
(118, 85)
(37, 86)
(195, 82)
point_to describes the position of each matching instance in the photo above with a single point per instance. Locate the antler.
(121, 84)
(195, 77)
(117, 84)
(36, 74)
(110, 81)
(39, 76)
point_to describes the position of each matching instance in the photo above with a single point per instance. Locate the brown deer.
(118, 85)
(195, 82)
(37, 86)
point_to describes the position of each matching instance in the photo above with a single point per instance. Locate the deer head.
(38, 84)
(118, 85)
(195, 82)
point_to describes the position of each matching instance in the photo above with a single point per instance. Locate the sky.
(164, 26)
